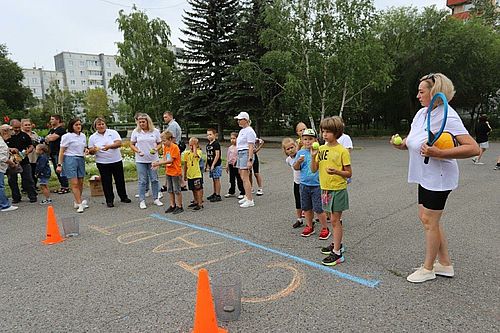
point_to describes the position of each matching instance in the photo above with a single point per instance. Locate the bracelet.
(59, 164)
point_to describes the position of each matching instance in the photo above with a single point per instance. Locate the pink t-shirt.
(232, 155)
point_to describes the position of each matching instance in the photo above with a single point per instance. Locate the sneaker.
(497, 167)
(324, 234)
(443, 270)
(158, 202)
(242, 200)
(46, 202)
(308, 231)
(192, 205)
(421, 275)
(474, 160)
(479, 163)
(81, 208)
(9, 209)
(163, 189)
(178, 210)
(228, 195)
(84, 203)
(170, 209)
(142, 204)
(184, 188)
(197, 207)
(126, 200)
(297, 224)
(333, 259)
(259, 192)
(210, 197)
(248, 203)
(327, 250)
(241, 196)
(216, 198)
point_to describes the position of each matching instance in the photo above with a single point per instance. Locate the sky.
(36, 30)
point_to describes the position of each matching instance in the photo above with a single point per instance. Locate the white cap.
(242, 115)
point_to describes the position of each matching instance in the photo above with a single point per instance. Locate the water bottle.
(22, 154)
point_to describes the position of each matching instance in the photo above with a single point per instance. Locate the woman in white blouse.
(144, 142)
(71, 160)
(438, 178)
(105, 143)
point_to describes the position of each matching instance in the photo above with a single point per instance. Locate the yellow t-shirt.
(332, 157)
(193, 164)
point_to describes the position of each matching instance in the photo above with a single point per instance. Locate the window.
(82, 63)
(70, 62)
(58, 81)
(109, 64)
(34, 90)
(73, 82)
(72, 72)
(468, 7)
(109, 74)
(82, 73)
(84, 82)
(34, 80)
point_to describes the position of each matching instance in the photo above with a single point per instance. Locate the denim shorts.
(241, 162)
(174, 184)
(43, 180)
(216, 173)
(74, 167)
(310, 198)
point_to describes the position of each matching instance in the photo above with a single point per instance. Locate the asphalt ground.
(133, 270)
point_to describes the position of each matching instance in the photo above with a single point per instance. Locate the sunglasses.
(429, 77)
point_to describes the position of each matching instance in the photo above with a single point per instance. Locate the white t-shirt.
(296, 173)
(107, 138)
(439, 174)
(145, 141)
(345, 140)
(245, 136)
(74, 143)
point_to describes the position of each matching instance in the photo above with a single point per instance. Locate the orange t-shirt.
(174, 168)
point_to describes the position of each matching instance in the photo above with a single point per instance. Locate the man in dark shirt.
(54, 142)
(20, 143)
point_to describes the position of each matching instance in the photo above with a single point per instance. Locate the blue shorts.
(241, 162)
(73, 167)
(43, 180)
(310, 198)
(216, 173)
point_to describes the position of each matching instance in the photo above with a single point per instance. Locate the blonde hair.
(151, 126)
(233, 134)
(285, 142)
(166, 135)
(333, 124)
(43, 147)
(98, 120)
(26, 120)
(194, 141)
(438, 82)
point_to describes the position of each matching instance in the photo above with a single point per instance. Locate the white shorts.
(484, 145)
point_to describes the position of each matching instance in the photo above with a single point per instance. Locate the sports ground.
(133, 270)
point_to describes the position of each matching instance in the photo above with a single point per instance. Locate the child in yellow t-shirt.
(192, 172)
(334, 164)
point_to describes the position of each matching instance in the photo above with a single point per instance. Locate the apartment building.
(39, 80)
(461, 8)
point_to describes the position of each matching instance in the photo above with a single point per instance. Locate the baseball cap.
(242, 115)
(309, 132)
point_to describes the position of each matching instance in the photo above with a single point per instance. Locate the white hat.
(242, 115)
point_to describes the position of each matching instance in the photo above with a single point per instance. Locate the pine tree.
(209, 57)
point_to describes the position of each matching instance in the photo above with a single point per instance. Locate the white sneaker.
(248, 203)
(142, 204)
(9, 209)
(421, 275)
(158, 202)
(241, 196)
(81, 208)
(160, 195)
(84, 203)
(253, 191)
(443, 270)
(228, 195)
(148, 194)
(259, 192)
(242, 200)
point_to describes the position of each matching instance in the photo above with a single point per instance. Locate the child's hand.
(140, 153)
(155, 164)
(301, 158)
(331, 171)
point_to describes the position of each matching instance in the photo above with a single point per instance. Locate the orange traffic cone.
(205, 320)
(53, 235)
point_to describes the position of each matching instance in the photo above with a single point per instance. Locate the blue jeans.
(4, 202)
(146, 175)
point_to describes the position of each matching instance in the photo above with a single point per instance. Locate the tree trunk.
(344, 94)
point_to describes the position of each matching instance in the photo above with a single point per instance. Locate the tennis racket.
(433, 137)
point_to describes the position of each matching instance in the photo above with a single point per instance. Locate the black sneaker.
(178, 210)
(192, 204)
(33, 200)
(163, 189)
(216, 198)
(333, 259)
(297, 224)
(210, 197)
(15, 201)
(126, 200)
(327, 250)
(170, 209)
(197, 207)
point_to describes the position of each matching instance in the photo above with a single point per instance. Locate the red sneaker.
(308, 231)
(324, 234)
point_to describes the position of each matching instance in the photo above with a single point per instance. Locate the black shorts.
(296, 194)
(255, 163)
(195, 184)
(433, 200)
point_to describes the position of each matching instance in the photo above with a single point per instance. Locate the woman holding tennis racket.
(437, 137)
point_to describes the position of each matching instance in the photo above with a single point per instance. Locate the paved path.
(133, 270)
